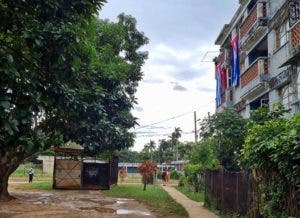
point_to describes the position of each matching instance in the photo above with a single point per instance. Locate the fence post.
(222, 190)
(237, 192)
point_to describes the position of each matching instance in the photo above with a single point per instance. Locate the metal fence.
(229, 192)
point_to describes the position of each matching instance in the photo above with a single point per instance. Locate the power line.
(165, 134)
(162, 121)
(171, 118)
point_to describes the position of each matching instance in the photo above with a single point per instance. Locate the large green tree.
(272, 151)
(228, 129)
(64, 75)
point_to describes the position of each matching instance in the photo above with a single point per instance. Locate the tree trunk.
(9, 162)
(4, 195)
(145, 186)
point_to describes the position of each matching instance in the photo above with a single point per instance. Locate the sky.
(179, 73)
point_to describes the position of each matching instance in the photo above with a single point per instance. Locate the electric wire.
(171, 118)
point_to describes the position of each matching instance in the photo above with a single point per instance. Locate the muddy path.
(62, 203)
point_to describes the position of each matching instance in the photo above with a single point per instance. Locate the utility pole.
(195, 122)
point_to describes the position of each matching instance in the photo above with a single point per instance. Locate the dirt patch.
(62, 203)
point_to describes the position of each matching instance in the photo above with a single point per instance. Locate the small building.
(179, 165)
(72, 170)
(48, 163)
(130, 168)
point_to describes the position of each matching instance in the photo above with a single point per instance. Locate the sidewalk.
(194, 209)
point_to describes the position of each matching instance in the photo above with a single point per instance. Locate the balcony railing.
(295, 36)
(255, 76)
(294, 12)
(257, 17)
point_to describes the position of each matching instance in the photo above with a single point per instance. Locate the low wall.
(48, 163)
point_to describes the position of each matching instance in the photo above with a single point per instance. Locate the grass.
(154, 196)
(21, 173)
(44, 185)
(195, 196)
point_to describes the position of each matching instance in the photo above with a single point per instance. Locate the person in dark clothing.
(30, 173)
(165, 177)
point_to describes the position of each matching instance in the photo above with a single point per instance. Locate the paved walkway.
(194, 209)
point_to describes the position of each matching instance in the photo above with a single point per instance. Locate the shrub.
(159, 174)
(147, 169)
(182, 181)
(272, 150)
(174, 174)
(194, 173)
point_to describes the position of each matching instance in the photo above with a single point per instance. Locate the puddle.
(105, 210)
(120, 202)
(124, 199)
(133, 212)
(99, 201)
(98, 209)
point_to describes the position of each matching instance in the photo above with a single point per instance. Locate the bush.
(182, 181)
(159, 174)
(174, 174)
(194, 174)
(148, 170)
(272, 150)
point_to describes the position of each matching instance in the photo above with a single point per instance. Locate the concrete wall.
(274, 6)
(48, 163)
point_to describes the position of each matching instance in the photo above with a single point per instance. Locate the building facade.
(259, 60)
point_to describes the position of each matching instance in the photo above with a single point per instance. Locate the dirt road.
(60, 204)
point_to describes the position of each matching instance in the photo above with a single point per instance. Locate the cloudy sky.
(179, 74)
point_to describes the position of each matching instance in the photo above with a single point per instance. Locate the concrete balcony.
(295, 38)
(229, 104)
(254, 26)
(254, 80)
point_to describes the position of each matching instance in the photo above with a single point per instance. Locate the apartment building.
(259, 60)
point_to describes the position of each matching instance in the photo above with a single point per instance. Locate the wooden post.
(109, 173)
(54, 174)
(237, 193)
(222, 190)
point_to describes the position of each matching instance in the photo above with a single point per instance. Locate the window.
(282, 35)
(294, 12)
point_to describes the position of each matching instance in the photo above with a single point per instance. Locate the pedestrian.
(30, 174)
(165, 176)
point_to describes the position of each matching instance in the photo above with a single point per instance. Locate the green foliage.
(183, 181)
(128, 156)
(63, 77)
(272, 148)
(204, 153)
(202, 156)
(165, 151)
(174, 174)
(228, 129)
(193, 173)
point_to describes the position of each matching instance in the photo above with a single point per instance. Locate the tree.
(272, 149)
(62, 78)
(228, 129)
(202, 156)
(184, 150)
(174, 138)
(165, 152)
(148, 150)
(128, 156)
(148, 170)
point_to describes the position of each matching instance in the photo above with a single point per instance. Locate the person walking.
(30, 174)
(165, 177)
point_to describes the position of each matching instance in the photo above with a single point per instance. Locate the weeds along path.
(194, 209)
